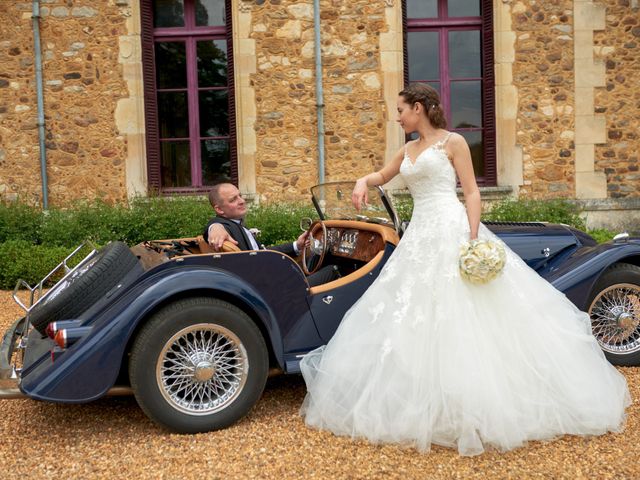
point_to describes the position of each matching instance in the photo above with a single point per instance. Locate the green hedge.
(32, 242)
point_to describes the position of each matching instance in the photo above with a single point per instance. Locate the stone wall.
(543, 74)
(286, 126)
(619, 47)
(82, 83)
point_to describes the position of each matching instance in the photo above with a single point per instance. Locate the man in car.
(227, 225)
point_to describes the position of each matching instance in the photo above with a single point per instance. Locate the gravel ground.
(112, 438)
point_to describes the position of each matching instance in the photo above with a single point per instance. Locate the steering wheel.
(315, 248)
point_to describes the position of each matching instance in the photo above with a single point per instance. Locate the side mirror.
(305, 223)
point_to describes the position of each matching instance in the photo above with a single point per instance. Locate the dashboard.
(353, 243)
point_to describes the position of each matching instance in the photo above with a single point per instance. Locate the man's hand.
(360, 195)
(218, 235)
(302, 240)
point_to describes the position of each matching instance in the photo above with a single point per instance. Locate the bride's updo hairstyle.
(430, 100)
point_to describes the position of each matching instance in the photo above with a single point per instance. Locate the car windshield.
(333, 201)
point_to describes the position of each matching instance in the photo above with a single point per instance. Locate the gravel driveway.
(111, 438)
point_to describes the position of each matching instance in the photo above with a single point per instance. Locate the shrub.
(601, 235)
(19, 222)
(554, 211)
(23, 259)
(279, 222)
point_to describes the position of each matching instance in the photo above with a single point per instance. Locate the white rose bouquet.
(481, 260)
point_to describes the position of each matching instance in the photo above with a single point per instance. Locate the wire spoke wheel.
(615, 318)
(202, 369)
(199, 364)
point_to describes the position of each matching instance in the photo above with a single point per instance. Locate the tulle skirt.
(425, 357)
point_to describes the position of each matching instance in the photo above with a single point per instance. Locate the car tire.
(71, 297)
(199, 364)
(614, 308)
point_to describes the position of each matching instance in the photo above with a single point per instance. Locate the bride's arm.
(461, 158)
(380, 177)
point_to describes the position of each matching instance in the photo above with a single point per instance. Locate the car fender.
(578, 275)
(90, 367)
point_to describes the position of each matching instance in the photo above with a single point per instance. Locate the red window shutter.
(233, 147)
(150, 103)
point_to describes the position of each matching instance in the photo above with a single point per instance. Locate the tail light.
(53, 327)
(65, 337)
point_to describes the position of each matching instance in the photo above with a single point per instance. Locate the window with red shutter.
(449, 45)
(189, 101)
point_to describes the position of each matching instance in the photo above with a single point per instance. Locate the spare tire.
(80, 290)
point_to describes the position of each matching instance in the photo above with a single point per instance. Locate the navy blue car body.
(194, 333)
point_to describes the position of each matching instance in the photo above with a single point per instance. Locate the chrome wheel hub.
(615, 318)
(202, 369)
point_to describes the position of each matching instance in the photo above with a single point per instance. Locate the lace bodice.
(431, 176)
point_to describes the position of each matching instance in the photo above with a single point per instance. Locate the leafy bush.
(33, 242)
(554, 211)
(602, 235)
(23, 259)
(19, 222)
(403, 205)
(279, 222)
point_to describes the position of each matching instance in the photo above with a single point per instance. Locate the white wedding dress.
(426, 358)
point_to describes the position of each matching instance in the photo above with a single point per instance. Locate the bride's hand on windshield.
(360, 195)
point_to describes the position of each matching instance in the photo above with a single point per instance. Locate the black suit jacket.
(239, 235)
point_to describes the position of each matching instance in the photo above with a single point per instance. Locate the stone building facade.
(567, 101)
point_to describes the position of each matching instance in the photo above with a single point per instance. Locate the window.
(188, 94)
(449, 45)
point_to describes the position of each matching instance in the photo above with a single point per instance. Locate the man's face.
(231, 203)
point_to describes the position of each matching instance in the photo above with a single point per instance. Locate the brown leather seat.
(206, 248)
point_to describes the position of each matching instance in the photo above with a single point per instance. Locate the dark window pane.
(212, 63)
(422, 8)
(216, 161)
(423, 56)
(210, 13)
(464, 54)
(173, 114)
(175, 164)
(474, 139)
(168, 13)
(466, 104)
(214, 113)
(171, 65)
(464, 8)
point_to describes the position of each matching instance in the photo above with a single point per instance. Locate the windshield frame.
(377, 193)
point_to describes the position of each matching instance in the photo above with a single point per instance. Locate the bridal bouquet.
(481, 260)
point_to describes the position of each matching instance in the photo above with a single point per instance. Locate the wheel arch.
(242, 303)
(631, 259)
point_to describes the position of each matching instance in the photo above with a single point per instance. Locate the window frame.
(444, 24)
(190, 34)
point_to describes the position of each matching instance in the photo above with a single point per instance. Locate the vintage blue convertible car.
(194, 334)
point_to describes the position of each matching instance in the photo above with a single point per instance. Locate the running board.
(9, 390)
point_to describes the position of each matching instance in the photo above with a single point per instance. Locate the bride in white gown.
(425, 357)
